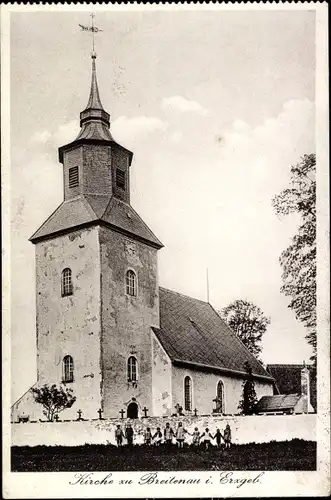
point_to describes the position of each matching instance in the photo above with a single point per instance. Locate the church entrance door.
(132, 411)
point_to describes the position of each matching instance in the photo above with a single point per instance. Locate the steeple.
(94, 99)
(94, 120)
(96, 180)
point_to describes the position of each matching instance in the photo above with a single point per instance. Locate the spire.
(94, 99)
(94, 120)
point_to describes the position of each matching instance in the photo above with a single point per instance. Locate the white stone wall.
(70, 325)
(26, 407)
(258, 429)
(204, 387)
(126, 321)
(161, 380)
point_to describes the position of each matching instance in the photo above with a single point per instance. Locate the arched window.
(220, 397)
(188, 393)
(131, 283)
(66, 282)
(68, 369)
(132, 369)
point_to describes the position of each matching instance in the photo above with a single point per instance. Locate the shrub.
(53, 399)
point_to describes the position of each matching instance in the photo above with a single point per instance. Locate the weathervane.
(93, 29)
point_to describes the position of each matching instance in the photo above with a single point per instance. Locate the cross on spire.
(93, 29)
(94, 120)
(93, 39)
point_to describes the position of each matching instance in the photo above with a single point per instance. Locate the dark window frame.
(131, 283)
(220, 396)
(68, 369)
(73, 177)
(120, 179)
(132, 369)
(188, 393)
(66, 282)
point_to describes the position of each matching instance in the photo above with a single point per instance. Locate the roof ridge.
(108, 204)
(116, 202)
(86, 202)
(183, 295)
(289, 364)
(141, 220)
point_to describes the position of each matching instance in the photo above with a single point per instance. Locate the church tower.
(96, 278)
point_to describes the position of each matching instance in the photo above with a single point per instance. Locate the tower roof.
(96, 201)
(97, 210)
(94, 120)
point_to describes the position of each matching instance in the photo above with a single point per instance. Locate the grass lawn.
(287, 455)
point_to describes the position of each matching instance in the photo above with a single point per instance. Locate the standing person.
(157, 438)
(218, 436)
(119, 436)
(168, 433)
(148, 436)
(129, 435)
(227, 436)
(196, 437)
(180, 435)
(207, 437)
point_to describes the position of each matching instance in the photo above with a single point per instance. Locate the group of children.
(169, 434)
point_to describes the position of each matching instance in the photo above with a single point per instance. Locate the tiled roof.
(68, 215)
(277, 403)
(122, 215)
(95, 130)
(91, 209)
(192, 332)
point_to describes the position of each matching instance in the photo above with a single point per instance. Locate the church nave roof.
(193, 333)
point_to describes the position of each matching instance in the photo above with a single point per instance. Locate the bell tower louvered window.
(73, 177)
(120, 178)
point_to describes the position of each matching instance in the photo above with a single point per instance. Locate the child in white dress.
(180, 435)
(207, 437)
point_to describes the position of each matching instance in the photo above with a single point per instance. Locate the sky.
(216, 106)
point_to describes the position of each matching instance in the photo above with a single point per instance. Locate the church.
(104, 326)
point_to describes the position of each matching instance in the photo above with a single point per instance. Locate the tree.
(249, 399)
(299, 259)
(53, 399)
(248, 322)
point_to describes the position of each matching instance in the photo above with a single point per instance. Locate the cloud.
(123, 128)
(176, 136)
(241, 126)
(183, 105)
(66, 133)
(63, 135)
(41, 137)
(138, 127)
